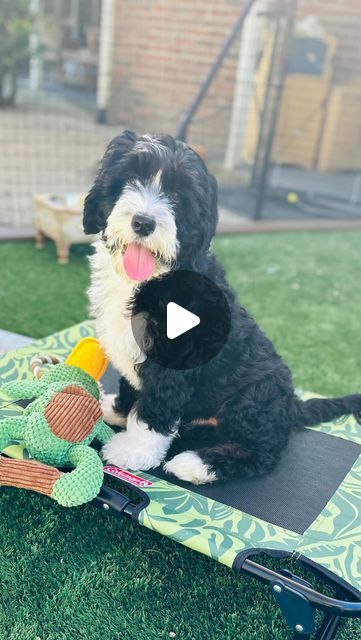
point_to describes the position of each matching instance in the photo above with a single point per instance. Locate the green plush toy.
(57, 429)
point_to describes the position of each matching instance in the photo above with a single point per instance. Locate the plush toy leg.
(103, 432)
(12, 429)
(82, 484)
(24, 389)
(28, 474)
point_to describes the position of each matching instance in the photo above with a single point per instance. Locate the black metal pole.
(290, 7)
(182, 129)
(328, 628)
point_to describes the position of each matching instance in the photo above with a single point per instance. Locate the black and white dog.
(156, 205)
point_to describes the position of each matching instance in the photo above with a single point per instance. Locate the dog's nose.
(142, 224)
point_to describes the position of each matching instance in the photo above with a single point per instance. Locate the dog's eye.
(176, 197)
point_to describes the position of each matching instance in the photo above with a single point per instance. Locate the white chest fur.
(109, 295)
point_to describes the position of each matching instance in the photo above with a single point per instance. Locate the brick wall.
(164, 48)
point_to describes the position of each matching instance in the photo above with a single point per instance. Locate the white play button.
(179, 320)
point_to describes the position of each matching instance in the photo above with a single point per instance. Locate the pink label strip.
(127, 476)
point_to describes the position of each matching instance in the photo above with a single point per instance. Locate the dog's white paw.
(137, 448)
(110, 416)
(189, 467)
(121, 452)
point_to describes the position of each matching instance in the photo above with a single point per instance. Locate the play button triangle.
(179, 320)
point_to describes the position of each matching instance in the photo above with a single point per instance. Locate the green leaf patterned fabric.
(333, 540)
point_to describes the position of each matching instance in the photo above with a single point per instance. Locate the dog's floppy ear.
(97, 201)
(199, 237)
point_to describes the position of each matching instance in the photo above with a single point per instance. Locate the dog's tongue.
(138, 262)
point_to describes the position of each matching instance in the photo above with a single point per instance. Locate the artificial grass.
(37, 295)
(69, 574)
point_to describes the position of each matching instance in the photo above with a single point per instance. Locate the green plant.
(15, 28)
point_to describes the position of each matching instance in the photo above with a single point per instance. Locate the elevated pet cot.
(308, 508)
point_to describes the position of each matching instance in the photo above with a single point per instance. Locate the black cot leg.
(327, 631)
(298, 601)
(329, 627)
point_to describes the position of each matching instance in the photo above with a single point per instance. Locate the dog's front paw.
(110, 415)
(137, 448)
(120, 450)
